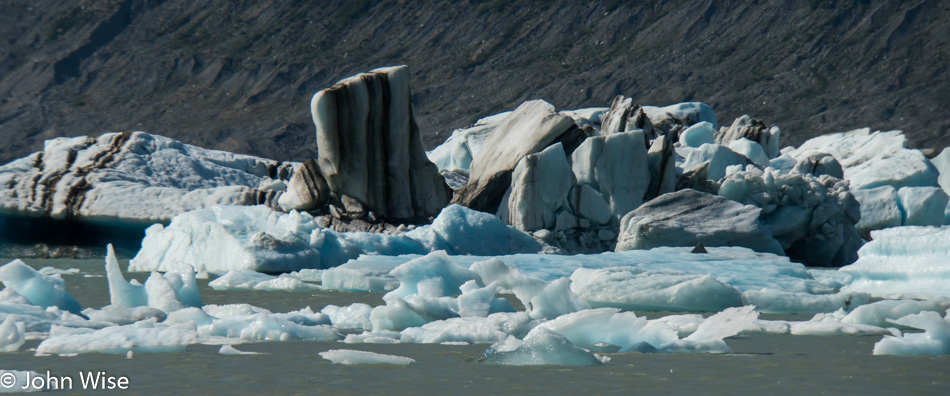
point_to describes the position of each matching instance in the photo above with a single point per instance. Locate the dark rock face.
(370, 151)
(237, 78)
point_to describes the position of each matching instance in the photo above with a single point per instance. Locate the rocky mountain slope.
(239, 75)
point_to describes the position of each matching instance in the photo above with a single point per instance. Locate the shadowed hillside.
(239, 75)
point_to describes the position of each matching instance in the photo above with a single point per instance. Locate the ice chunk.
(935, 340)
(879, 209)
(265, 326)
(121, 315)
(776, 301)
(903, 261)
(12, 334)
(617, 167)
(230, 350)
(873, 159)
(942, 163)
(750, 150)
(353, 316)
(556, 299)
(41, 290)
(496, 271)
(349, 356)
(530, 128)
(545, 347)
(923, 206)
(373, 337)
(539, 188)
(718, 157)
(457, 152)
(361, 275)
(688, 112)
(632, 288)
(709, 336)
(190, 315)
(169, 292)
(883, 313)
(140, 337)
(608, 325)
(59, 271)
(121, 292)
(698, 134)
(831, 324)
(687, 217)
(247, 279)
(812, 217)
(459, 230)
(481, 301)
(472, 330)
(434, 275)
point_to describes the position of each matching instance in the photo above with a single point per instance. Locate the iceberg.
(688, 217)
(224, 238)
(369, 148)
(133, 177)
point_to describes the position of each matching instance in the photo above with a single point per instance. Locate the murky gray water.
(783, 364)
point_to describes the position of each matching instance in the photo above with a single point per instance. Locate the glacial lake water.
(761, 364)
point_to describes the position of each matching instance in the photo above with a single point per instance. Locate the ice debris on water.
(349, 356)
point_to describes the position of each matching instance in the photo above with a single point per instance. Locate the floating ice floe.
(144, 336)
(247, 279)
(935, 340)
(903, 262)
(133, 177)
(230, 350)
(349, 356)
